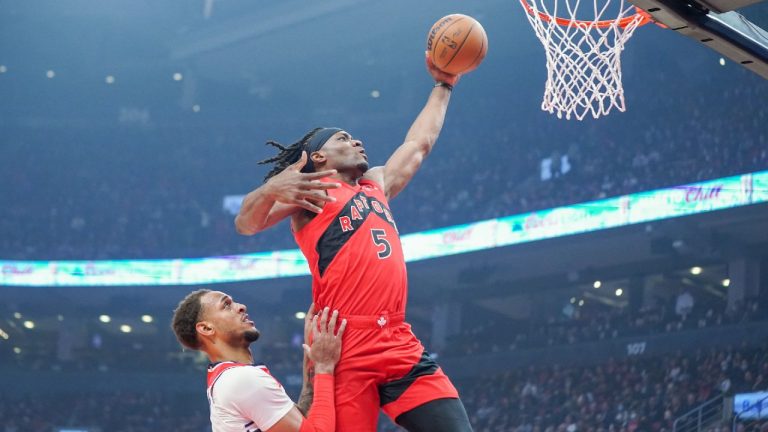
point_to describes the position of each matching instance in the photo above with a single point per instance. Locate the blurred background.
(125, 125)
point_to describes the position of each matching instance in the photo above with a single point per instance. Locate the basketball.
(457, 44)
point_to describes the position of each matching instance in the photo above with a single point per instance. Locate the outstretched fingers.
(307, 205)
(320, 174)
(324, 318)
(342, 327)
(332, 324)
(299, 164)
(327, 323)
(320, 196)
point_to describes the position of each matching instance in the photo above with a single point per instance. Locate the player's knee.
(445, 415)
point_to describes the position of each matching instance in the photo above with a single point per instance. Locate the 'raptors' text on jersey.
(354, 253)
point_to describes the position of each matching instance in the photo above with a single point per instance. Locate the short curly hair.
(185, 318)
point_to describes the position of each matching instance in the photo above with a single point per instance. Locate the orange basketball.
(457, 43)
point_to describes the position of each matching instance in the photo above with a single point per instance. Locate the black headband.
(316, 143)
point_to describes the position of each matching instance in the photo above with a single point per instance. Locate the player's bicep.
(291, 422)
(402, 166)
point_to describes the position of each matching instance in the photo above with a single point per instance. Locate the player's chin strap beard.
(317, 142)
(252, 335)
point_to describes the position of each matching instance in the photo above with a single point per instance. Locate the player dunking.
(341, 220)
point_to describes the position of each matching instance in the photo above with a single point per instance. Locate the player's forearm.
(254, 211)
(428, 124)
(322, 416)
(305, 399)
(307, 389)
(407, 159)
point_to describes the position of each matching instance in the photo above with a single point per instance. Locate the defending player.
(349, 237)
(244, 397)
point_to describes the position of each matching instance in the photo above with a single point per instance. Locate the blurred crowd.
(504, 175)
(619, 395)
(79, 342)
(589, 324)
(158, 192)
(628, 395)
(149, 411)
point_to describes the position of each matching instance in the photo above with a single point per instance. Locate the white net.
(583, 56)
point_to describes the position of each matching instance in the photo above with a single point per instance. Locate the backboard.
(717, 25)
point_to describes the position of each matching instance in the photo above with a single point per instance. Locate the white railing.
(700, 417)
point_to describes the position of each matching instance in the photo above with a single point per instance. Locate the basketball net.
(583, 57)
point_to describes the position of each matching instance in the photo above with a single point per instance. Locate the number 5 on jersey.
(380, 240)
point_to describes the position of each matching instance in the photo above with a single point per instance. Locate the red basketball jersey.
(354, 253)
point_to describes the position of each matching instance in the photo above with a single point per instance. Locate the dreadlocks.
(288, 155)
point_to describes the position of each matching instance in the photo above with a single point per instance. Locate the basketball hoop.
(583, 56)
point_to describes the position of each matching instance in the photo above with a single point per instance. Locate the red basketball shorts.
(384, 366)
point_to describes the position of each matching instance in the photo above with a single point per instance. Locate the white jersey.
(245, 398)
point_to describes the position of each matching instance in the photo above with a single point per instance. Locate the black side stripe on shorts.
(392, 390)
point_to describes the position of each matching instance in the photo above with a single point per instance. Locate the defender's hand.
(326, 342)
(301, 189)
(439, 75)
(308, 322)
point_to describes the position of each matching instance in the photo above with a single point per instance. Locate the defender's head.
(206, 317)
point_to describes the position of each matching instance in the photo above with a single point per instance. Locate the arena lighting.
(375, 94)
(196, 108)
(178, 77)
(581, 302)
(109, 79)
(300, 315)
(105, 318)
(3, 334)
(619, 292)
(625, 210)
(17, 350)
(50, 74)
(17, 315)
(125, 328)
(695, 270)
(60, 317)
(597, 284)
(726, 283)
(29, 324)
(147, 318)
(3, 69)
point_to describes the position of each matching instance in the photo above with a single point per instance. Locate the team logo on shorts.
(381, 321)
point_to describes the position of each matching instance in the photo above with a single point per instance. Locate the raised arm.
(421, 137)
(283, 195)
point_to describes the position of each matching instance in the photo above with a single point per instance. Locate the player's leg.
(357, 396)
(445, 415)
(359, 413)
(417, 390)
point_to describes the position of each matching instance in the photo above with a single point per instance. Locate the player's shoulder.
(245, 372)
(237, 379)
(375, 175)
